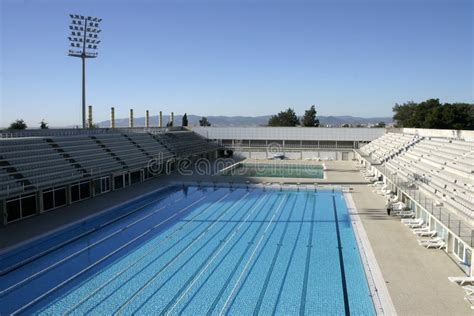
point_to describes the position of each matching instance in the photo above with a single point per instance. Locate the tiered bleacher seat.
(152, 146)
(185, 143)
(388, 145)
(32, 163)
(126, 151)
(446, 170)
(88, 154)
(28, 164)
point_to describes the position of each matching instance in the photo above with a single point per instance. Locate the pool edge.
(378, 289)
(66, 226)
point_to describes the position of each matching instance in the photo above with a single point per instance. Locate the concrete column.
(160, 122)
(147, 119)
(89, 117)
(112, 117)
(130, 119)
(4, 212)
(39, 202)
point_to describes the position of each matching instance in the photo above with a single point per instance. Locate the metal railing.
(77, 131)
(452, 221)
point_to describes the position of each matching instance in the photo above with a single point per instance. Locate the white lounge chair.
(470, 299)
(405, 214)
(398, 208)
(462, 280)
(426, 233)
(416, 224)
(377, 183)
(434, 239)
(395, 199)
(420, 229)
(440, 244)
(469, 289)
(431, 241)
(408, 221)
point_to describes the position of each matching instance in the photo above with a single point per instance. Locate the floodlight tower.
(84, 41)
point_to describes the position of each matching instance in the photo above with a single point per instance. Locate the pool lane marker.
(195, 240)
(268, 212)
(219, 250)
(222, 312)
(257, 257)
(241, 258)
(101, 260)
(74, 254)
(75, 238)
(308, 260)
(114, 277)
(274, 312)
(274, 260)
(218, 264)
(341, 261)
(181, 265)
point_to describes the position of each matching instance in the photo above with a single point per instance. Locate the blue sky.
(235, 57)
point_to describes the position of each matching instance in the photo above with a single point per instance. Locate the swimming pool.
(276, 170)
(198, 251)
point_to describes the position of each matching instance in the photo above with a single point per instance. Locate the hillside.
(245, 120)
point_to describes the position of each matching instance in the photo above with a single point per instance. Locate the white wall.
(442, 133)
(291, 133)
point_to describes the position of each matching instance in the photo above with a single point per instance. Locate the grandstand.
(432, 172)
(442, 168)
(47, 169)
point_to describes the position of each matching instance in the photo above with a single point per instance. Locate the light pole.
(84, 41)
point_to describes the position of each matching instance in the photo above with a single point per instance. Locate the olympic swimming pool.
(278, 170)
(193, 250)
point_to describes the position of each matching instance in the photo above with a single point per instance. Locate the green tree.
(284, 118)
(19, 124)
(404, 114)
(204, 122)
(432, 114)
(185, 120)
(43, 124)
(309, 118)
(380, 124)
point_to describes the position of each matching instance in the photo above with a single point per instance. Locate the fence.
(456, 224)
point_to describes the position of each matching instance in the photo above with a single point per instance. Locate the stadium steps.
(163, 143)
(13, 172)
(104, 147)
(65, 155)
(138, 146)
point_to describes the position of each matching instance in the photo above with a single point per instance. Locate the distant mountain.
(245, 120)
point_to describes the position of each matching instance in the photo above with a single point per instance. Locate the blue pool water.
(196, 251)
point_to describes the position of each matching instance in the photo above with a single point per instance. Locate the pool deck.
(416, 278)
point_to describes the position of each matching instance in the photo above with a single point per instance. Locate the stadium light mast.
(83, 43)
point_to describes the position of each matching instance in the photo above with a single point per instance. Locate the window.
(28, 206)
(48, 200)
(75, 193)
(136, 176)
(84, 190)
(118, 182)
(13, 210)
(121, 181)
(80, 191)
(54, 198)
(460, 252)
(102, 185)
(21, 207)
